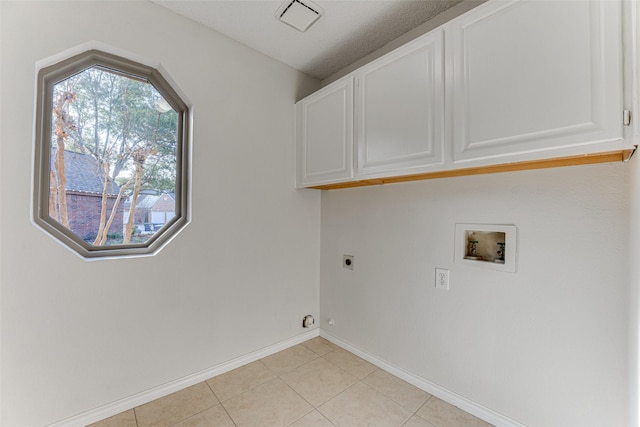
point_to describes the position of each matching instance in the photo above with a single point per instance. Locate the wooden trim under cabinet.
(588, 159)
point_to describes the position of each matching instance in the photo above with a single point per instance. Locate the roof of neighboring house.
(147, 201)
(81, 171)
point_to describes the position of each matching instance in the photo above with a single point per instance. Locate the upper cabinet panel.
(324, 135)
(532, 76)
(400, 109)
(509, 85)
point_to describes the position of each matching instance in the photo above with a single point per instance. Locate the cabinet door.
(400, 109)
(528, 77)
(324, 135)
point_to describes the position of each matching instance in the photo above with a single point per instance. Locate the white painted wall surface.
(546, 346)
(78, 335)
(634, 293)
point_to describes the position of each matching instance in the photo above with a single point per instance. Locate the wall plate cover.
(347, 261)
(442, 279)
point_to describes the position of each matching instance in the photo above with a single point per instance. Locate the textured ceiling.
(347, 31)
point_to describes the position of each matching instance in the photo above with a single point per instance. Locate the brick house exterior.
(84, 196)
(84, 214)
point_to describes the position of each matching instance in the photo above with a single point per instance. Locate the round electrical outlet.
(347, 261)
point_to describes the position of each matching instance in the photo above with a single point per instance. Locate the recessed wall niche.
(486, 246)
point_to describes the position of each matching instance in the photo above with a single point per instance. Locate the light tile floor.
(313, 384)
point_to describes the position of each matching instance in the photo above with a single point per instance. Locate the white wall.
(632, 63)
(78, 335)
(634, 293)
(546, 346)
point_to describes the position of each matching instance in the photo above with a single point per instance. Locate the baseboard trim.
(440, 392)
(147, 396)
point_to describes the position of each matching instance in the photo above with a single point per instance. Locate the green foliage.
(114, 115)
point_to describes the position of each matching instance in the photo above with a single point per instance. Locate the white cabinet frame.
(400, 109)
(556, 81)
(324, 135)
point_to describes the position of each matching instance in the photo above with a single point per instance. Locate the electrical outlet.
(442, 279)
(347, 261)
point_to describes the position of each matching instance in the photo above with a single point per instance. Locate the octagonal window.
(111, 157)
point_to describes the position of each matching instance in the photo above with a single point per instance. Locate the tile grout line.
(338, 394)
(197, 413)
(247, 390)
(276, 376)
(220, 402)
(315, 408)
(298, 419)
(412, 413)
(358, 380)
(415, 413)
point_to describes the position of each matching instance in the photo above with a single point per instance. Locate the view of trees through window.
(113, 157)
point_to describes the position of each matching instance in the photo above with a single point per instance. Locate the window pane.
(113, 157)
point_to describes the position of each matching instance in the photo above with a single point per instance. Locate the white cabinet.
(324, 135)
(509, 85)
(400, 109)
(533, 76)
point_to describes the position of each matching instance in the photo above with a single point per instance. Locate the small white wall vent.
(299, 14)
